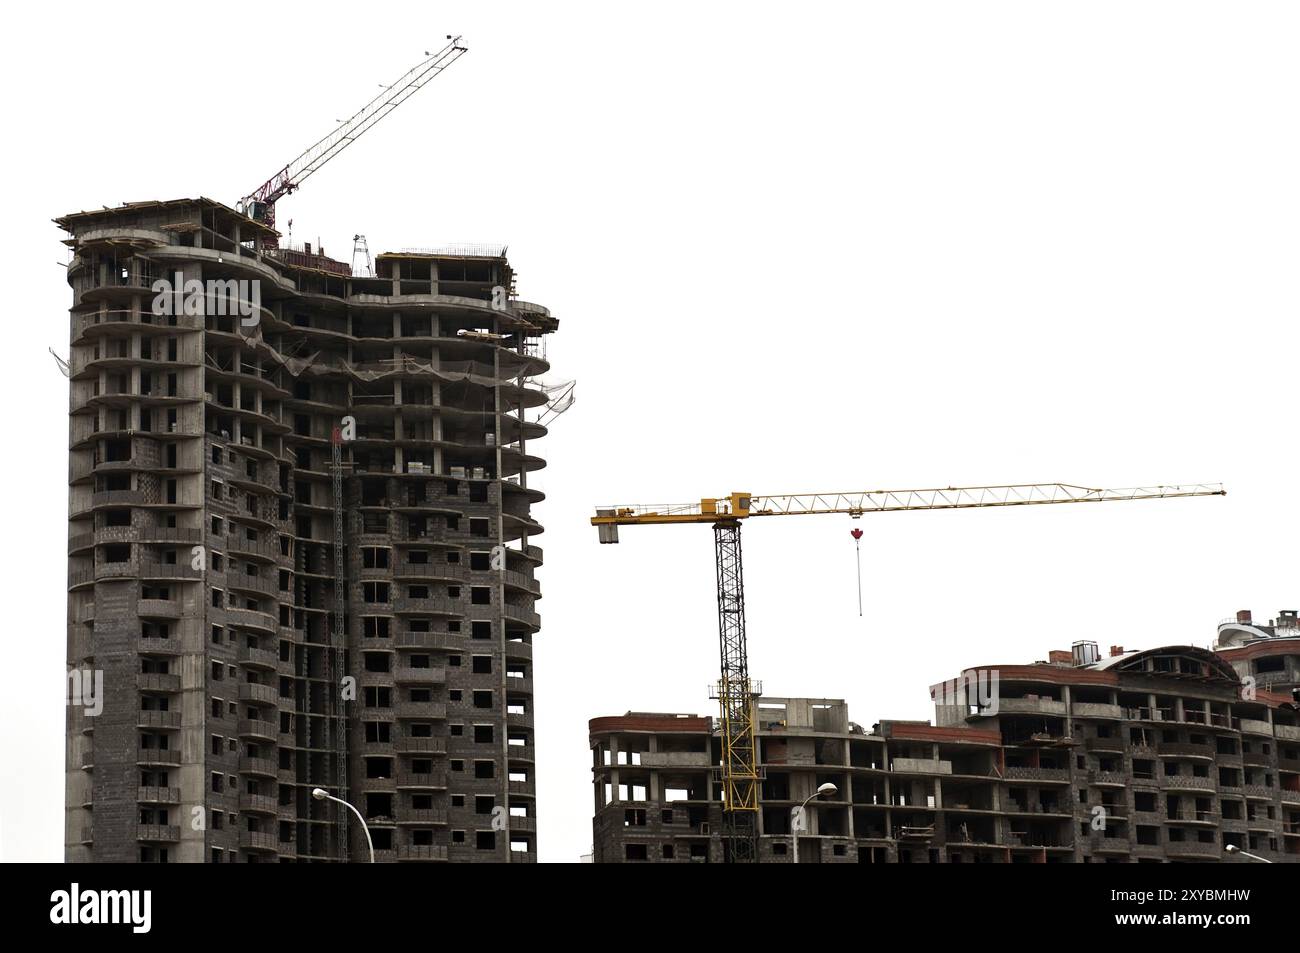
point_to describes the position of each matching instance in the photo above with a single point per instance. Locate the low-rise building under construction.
(1167, 754)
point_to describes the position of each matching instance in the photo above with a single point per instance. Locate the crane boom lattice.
(260, 203)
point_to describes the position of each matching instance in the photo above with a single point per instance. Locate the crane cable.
(857, 546)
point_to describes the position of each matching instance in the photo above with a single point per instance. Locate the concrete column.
(613, 769)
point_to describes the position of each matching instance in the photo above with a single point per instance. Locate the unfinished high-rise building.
(299, 546)
(1169, 754)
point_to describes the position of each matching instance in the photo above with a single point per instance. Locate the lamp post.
(1234, 849)
(796, 816)
(321, 794)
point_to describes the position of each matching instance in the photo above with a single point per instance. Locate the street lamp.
(1234, 849)
(321, 794)
(796, 816)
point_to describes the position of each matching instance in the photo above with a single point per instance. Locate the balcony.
(158, 609)
(409, 675)
(156, 795)
(423, 710)
(157, 682)
(258, 803)
(1252, 726)
(1113, 744)
(1108, 779)
(1177, 749)
(1098, 843)
(677, 759)
(258, 694)
(1185, 782)
(258, 658)
(427, 853)
(258, 729)
(159, 833)
(154, 646)
(1030, 706)
(408, 779)
(1096, 710)
(433, 641)
(158, 756)
(525, 753)
(158, 719)
(265, 767)
(1018, 773)
(259, 841)
(421, 745)
(431, 817)
(1194, 849)
(522, 615)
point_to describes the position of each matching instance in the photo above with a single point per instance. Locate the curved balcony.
(261, 767)
(252, 619)
(521, 615)
(258, 803)
(1183, 782)
(258, 694)
(1183, 750)
(262, 659)
(259, 841)
(258, 729)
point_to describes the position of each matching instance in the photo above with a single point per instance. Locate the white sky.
(792, 248)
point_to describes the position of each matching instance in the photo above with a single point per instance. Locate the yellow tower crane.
(739, 769)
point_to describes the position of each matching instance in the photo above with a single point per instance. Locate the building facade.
(299, 546)
(1138, 757)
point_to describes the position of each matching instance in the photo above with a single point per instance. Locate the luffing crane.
(260, 203)
(739, 769)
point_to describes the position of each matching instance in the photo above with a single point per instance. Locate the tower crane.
(260, 203)
(739, 769)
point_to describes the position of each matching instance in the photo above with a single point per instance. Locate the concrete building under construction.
(1168, 754)
(299, 545)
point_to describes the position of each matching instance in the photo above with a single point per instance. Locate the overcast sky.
(811, 247)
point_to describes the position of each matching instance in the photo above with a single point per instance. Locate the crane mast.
(260, 203)
(739, 768)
